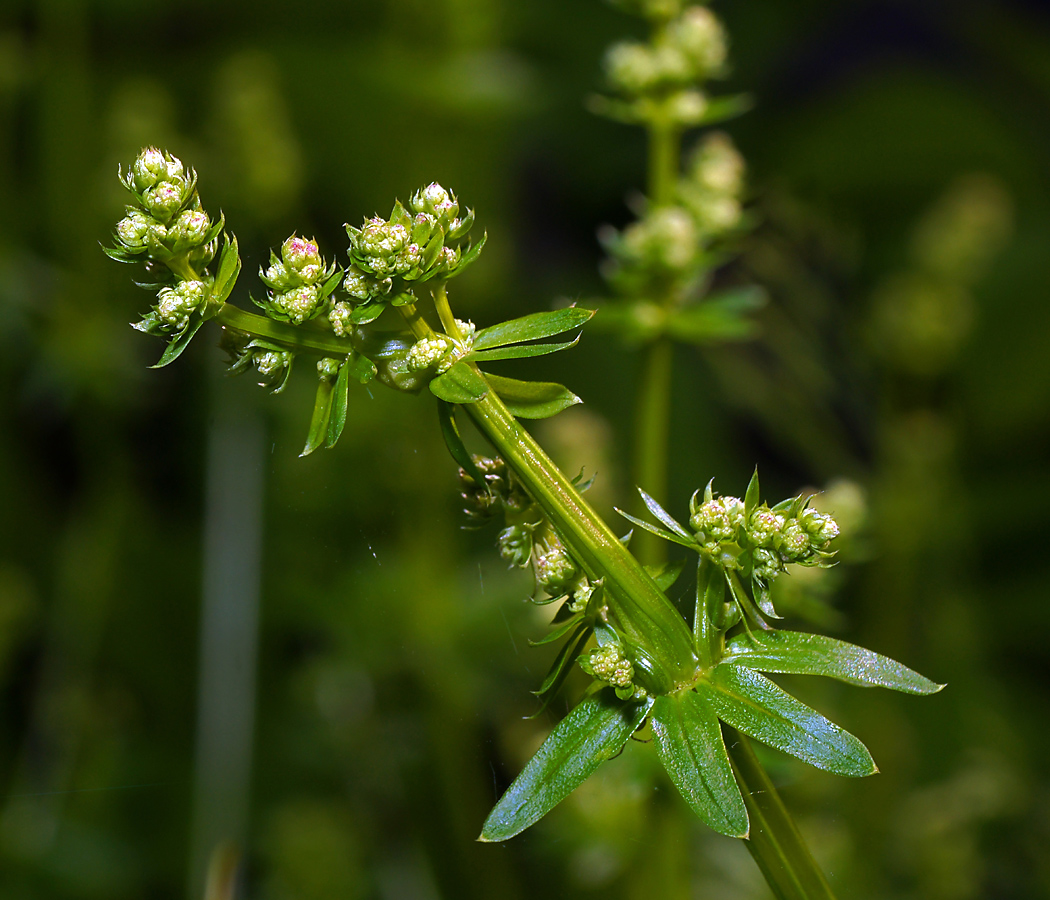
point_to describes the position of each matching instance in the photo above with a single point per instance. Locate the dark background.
(382, 648)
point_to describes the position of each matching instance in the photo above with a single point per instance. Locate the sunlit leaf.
(460, 384)
(532, 327)
(315, 437)
(174, 350)
(454, 443)
(797, 653)
(657, 510)
(753, 704)
(519, 351)
(532, 399)
(337, 416)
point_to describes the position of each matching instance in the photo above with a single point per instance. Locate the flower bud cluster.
(272, 363)
(166, 228)
(441, 351)
(667, 248)
(299, 282)
(712, 187)
(414, 245)
(770, 538)
(608, 663)
(658, 82)
(527, 537)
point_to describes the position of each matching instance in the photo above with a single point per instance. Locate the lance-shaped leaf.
(558, 633)
(531, 327)
(667, 574)
(519, 351)
(319, 418)
(562, 665)
(660, 532)
(753, 495)
(593, 732)
(337, 416)
(454, 443)
(229, 269)
(174, 350)
(689, 743)
(753, 704)
(797, 653)
(721, 108)
(657, 510)
(532, 399)
(460, 384)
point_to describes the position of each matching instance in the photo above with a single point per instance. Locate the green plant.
(693, 678)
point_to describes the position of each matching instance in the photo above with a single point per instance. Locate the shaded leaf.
(753, 704)
(319, 418)
(720, 317)
(460, 384)
(229, 270)
(454, 442)
(532, 327)
(532, 399)
(562, 664)
(337, 416)
(593, 732)
(174, 350)
(689, 743)
(797, 653)
(666, 575)
(563, 629)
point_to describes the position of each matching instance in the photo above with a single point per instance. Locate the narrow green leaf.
(562, 664)
(468, 258)
(721, 108)
(532, 399)
(666, 575)
(361, 368)
(593, 732)
(519, 351)
(337, 416)
(454, 442)
(753, 496)
(666, 535)
(657, 510)
(563, 629)
(174, 349)
(753, 704)
(689, 743)
(319, 419)
(532, 327)
(229, 270)
(797, 653)
(460, 384)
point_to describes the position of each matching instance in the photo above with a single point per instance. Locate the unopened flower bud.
(630, 67)
(163, 199)
(327, 369)
(270, 362)
(436, 201)
(821, 528)
(763, 526)
(149, 167)
(767, 564)
(298, 304)
(717, 166)
(190, 226)
(555, 570)
(174, 305)
(364, 286)
(719, 519)
(435, 351)
(608, 664)
(793, 542)
(303, 256)
(515, 545)
(340, 319)
(133, 228)
(699, 35)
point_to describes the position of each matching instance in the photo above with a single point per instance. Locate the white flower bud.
(149, 167)
(763, 526)
(191, 225)
(300, 303)
(340, 319)
(699, 36)
(174, 305)
(163, 199)
(133, 228)
(717, 166)
(271, 362)
(436, 351)
(630, 67)
(436, 201)
(302, 255)
(608, 664)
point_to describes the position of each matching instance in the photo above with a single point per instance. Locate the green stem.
(635, 605)
(664, 149)
(651, 440)
(294, 337)
(774, 841)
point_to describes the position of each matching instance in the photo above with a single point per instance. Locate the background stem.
(774, 842)
(651, 440)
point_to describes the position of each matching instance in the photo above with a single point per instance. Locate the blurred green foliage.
(898, 156)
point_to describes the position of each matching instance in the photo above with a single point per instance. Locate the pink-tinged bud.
(299, 253)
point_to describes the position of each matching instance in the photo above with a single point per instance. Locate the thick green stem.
(774, 840)
(664, 142)
(636, 606)
(651, 439)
